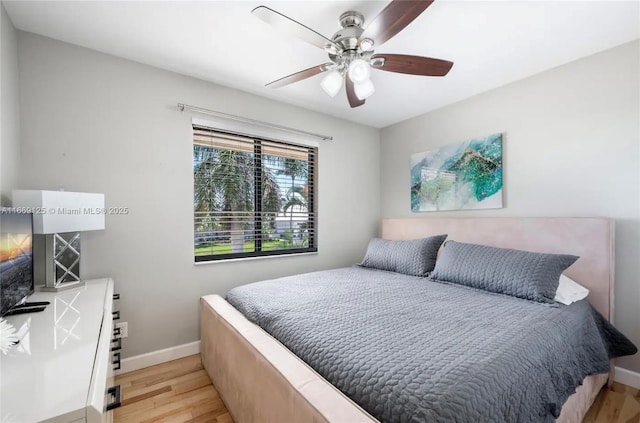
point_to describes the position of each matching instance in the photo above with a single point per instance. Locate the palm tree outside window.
(252, 197)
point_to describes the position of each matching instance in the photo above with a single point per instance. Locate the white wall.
(94, 122)
(9, 108)
(571, 148)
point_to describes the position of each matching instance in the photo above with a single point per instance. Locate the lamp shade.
(61, 211)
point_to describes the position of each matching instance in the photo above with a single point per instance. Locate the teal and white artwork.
(460, 176)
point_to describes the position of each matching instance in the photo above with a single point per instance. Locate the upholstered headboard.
(590, 238)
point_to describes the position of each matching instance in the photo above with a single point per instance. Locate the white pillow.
(570, 291)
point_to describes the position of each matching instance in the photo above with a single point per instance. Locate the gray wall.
(94, 122)
(9, 109)
(572, 148)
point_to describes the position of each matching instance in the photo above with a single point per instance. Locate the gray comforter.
(408, 349)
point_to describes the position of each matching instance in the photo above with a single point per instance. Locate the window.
(252, 197)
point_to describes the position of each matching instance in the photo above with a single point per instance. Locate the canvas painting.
(460, 176)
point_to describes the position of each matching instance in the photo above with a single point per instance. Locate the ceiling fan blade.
(393, 19)
(299, 76)
(354, 101)
(288, 26)
(413, 65)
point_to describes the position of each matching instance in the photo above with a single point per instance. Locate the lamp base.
(62, 286)
(62, 261)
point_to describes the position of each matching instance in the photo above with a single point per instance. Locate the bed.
(261, 380)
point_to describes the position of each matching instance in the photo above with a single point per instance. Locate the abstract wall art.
(459, 176)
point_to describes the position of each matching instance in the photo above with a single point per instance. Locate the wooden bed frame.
(260, 380)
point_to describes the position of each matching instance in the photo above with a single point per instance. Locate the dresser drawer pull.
(116, 361)
(116, 296)
(115, 391)
(118, 342)
(116, 315)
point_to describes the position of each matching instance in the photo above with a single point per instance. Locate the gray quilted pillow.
(533, 276)
(415, 257)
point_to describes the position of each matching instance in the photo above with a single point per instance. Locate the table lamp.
(60, 216)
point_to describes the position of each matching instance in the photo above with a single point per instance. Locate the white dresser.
(62, 369)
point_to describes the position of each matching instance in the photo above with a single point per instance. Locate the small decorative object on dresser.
(62, 368)
(8, 336)
(61, 216)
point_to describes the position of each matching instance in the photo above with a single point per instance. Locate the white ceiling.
(491, 43)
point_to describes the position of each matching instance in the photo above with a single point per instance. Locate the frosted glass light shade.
(331, 83)
(359, 71)
(364, 89)
(57, 212)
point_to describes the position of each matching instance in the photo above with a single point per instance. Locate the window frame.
(312, 208)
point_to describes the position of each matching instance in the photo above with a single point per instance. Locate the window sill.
(276, 256)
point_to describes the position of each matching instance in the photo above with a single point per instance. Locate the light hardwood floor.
(177, 391)
(180, 391)
(618, 404)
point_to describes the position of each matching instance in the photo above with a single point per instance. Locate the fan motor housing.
(351, 18)
(351, 30)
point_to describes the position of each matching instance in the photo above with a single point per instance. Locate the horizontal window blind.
(252, 197)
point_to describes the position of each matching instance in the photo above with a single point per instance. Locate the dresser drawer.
(102, 377)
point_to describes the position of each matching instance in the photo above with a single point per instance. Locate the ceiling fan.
(351, 49)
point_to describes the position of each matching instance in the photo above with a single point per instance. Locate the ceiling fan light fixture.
(359, 71)
(351, 49)
(364, 89)
(332, 82)
(366, 44)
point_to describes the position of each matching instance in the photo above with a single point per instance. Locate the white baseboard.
(627, 377)
(156, 357)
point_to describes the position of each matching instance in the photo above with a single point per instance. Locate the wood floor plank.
(192, 384)
(224, 418)
(141, 407)
(166, 375)
(619, 387)
(180, 392)
(175, 365)
(611, 407)
(179, 417)
(634, 419)
(630, 409)
(146, 395)
(191, 398)
(174, 405)
(210, 417)
(193, 360)
(215, 407)
(140, 390)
